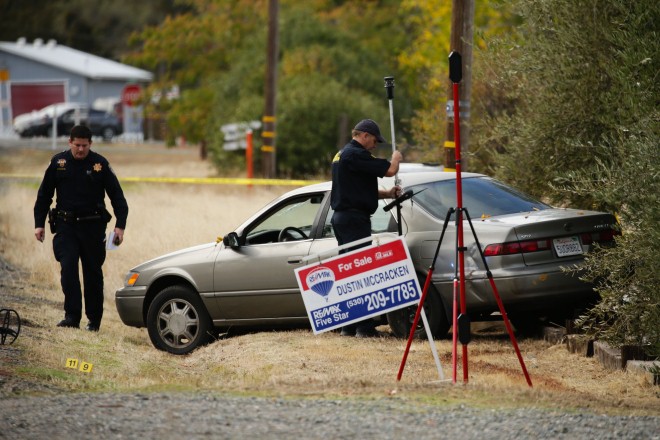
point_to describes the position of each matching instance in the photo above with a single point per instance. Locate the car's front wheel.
(177, 320)
(401, 320)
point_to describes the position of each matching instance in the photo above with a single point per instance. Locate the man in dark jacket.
(355, 194)
(81, 178)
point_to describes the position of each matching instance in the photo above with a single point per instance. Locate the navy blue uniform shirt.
(354, 178)
(81, 186)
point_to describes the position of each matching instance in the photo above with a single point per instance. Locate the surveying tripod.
(460, 322)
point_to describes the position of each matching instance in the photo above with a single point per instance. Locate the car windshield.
(482, 196)
(59, 108)
(298, 213)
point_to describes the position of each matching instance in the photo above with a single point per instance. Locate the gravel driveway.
(79, 416)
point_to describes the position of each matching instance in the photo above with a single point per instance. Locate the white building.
(34, 75)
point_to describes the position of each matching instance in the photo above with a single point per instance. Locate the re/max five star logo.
(321, 280)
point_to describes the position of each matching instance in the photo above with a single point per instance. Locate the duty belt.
(361, 211)
(70, 216)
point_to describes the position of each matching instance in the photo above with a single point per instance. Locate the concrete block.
(649, 370)
(608, 356)
(554, 335)
(571, 328)
(580, 344)
(633, 352)
(616, 358)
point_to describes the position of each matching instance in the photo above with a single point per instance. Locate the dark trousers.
(350, 226)
(84, 242)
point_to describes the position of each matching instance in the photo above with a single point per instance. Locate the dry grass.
(165, 217)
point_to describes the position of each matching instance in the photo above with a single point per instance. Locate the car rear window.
(482, 196)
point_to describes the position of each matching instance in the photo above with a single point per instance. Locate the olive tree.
(581, 127)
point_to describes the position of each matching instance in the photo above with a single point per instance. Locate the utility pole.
(269, 122)
(462, 28)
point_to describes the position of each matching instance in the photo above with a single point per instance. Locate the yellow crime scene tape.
(193, 180)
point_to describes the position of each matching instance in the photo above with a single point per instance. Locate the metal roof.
(73, 60)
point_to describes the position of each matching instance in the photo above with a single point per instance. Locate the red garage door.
(28, 97)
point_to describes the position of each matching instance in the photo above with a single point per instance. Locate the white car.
(23, 124)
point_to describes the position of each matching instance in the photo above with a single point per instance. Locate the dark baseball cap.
(369, 126)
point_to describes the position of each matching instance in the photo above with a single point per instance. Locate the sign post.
(239, 136)
(132, 112)
(235, 134)
(130, 95)
(248, 154)
(4, 98)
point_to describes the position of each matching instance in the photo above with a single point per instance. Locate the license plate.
(567, 246)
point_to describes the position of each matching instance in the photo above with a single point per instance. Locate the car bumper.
(130, 302)
(532, 292)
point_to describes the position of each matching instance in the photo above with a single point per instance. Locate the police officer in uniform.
(81, 178)
(355, 194)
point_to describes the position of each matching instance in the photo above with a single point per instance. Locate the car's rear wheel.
(177, 320)
(401, 320)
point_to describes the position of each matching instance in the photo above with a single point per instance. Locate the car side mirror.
(231, 240)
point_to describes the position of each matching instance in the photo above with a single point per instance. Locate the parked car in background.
(40, 123)
(247, 279)
(26, 124)
(417, 167)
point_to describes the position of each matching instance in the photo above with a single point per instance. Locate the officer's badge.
(61, 163)
(97, 167)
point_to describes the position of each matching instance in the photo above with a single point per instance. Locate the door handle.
(296, 259)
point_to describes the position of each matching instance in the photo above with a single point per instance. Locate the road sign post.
(132, 112)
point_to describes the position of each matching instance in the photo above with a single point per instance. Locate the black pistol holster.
(106, 216)
(52, 220)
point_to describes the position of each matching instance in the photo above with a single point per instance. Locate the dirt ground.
(288, 363)
(12, 358)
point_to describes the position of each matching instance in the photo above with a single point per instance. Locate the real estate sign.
(358, 285)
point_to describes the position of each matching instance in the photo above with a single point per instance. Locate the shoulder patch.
(337, 157)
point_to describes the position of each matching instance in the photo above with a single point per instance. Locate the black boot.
(69, 321)
(93, 326)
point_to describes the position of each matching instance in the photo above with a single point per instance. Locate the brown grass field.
(165, 217)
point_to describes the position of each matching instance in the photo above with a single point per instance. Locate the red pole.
(427, 283)
(507, 324)
(459, 218)
(454, 333)
(248, 154)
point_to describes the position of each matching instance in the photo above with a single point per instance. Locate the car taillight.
(516, 247)
(599, 237)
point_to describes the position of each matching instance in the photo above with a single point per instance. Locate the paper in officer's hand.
(110, 241)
